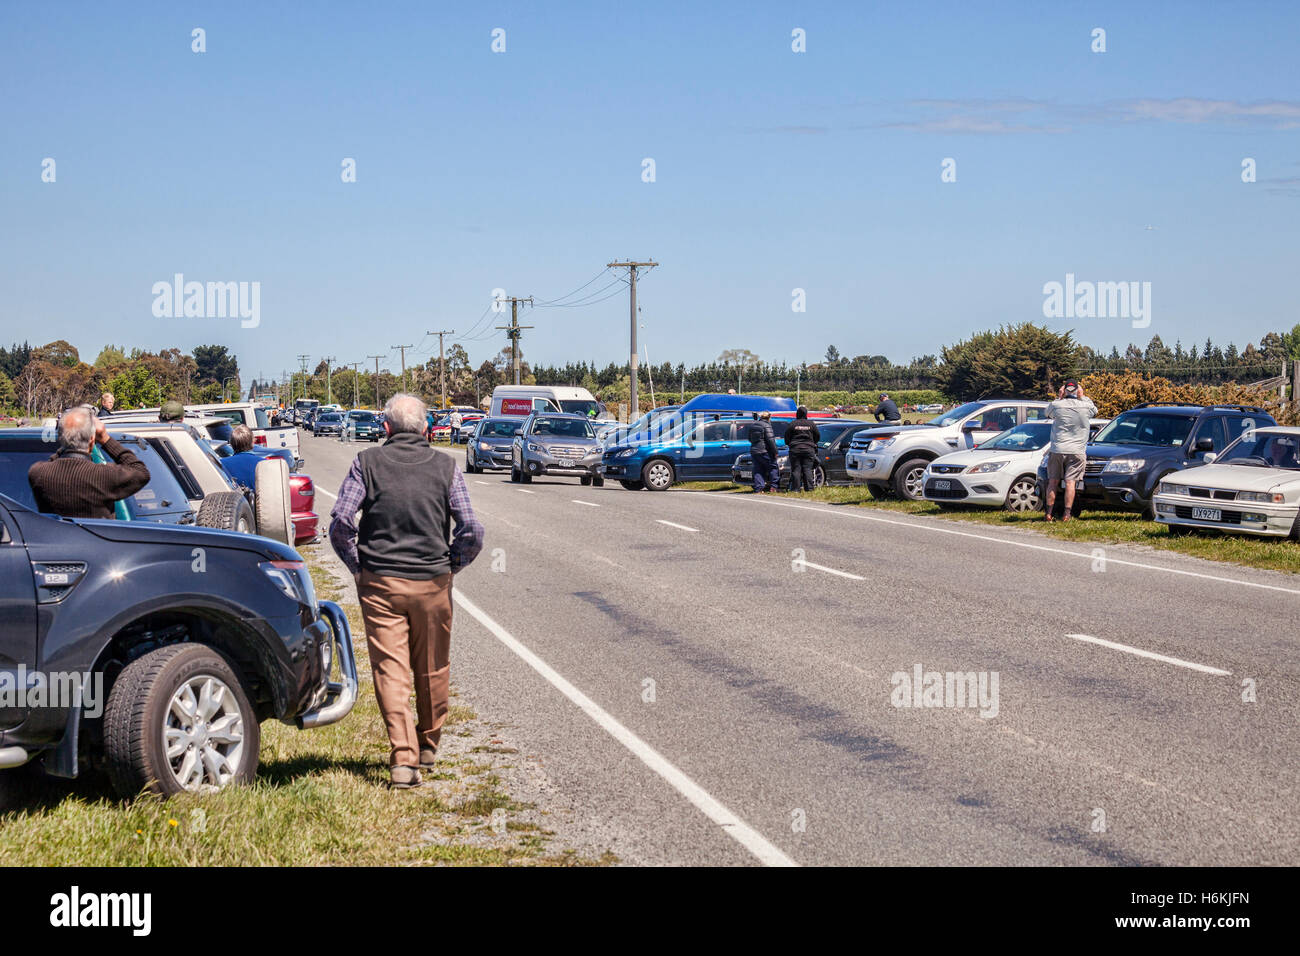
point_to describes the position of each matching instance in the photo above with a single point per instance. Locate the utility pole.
(356, 381)
(403, 348)
(442, 367)
(376, 358)
(513, 330)
(631, 268)
(302, 360)
(329, 384)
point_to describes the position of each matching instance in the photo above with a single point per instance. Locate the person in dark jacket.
(762, 449)
(801, 437)
(73, 485)
(887, 410)
(106, 405)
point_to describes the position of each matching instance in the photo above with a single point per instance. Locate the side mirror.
(1205, 444)
(971, 426)
(1209, 457)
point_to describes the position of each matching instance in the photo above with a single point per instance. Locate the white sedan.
(1001, 472)
(1252, 487)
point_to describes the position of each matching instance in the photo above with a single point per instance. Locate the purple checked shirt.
(467, 530)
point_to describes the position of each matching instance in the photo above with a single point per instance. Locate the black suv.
(160, 649)
(1127, 458)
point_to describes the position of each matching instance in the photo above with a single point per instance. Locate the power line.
(549, 302)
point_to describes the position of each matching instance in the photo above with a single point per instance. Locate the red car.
(302, 495)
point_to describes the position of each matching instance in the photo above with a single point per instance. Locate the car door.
(832, 456)
(988, 422)
(709, 452)
(17, 620)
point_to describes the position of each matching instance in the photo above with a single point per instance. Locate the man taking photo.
(1071, 415)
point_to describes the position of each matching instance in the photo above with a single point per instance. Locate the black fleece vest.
(405, 516)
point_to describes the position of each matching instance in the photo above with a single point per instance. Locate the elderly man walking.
(70, 483)
(403, 553)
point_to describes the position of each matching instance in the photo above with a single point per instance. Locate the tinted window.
(580, 407)
(1146, 428)
(1027, 437)
(714, 431)
(1212, 428)
(1264, 449)
(362, 416)
(562, 427)
(500, 428)
(997, 418)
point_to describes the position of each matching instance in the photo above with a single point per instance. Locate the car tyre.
(271, 501)
(632, 485)
(142, 715)
(907, 479)
(658, 474)
(227, 510)
(598, 481)
(524, 477)
(877, 491)
(585, 480)
(1022, 496)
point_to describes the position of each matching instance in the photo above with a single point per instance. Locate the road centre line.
(843, 574)
(1179, 662)
(736, 828)
(922, 526)
(324, 492)
(589, 504)
(674, 524)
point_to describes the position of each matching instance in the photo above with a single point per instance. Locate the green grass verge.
(1095, 527)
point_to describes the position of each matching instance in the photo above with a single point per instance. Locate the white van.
(521, 400)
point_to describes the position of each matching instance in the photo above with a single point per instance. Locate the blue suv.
(701, 452)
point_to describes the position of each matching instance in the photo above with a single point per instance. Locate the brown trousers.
(408, 628)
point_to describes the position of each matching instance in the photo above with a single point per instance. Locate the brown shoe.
(428, 758)
(404, 778)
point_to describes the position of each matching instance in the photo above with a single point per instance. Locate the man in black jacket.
(801, 437)
(887, 410)
(762, 449)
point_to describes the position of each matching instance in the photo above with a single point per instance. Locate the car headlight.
(1124, 466)
(985, 467)
(533, 446)
(1268, 497)
(878, 443)
(625, 453)
(484, 446)
(293, 578)
(1169, 488)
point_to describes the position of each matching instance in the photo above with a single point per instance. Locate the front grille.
(1217, 493)
(860, 444)
(567, 451)
(957, 491)
(1093, 467)
(1229, 517)
(946, 469)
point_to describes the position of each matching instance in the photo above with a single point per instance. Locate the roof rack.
(1239, 408)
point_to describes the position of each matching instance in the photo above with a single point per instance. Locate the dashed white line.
(1179, 662)
(477, 482)
(674, 524)
(923, 526)
(324, 492)
(732, 825)
(526, 491)
(589, 504)
(843, 574)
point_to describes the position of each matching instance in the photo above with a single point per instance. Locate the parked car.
(1001, 472)
(706, 451)
(362, 425)
(617, 434)
(523, 400)
(556, 444)
(892, 459)
(327, 423)
(191, 664)
(255, 417)
(301, 408)
(467, 423)
(489, 444)
(704, 408)
(1128, 458)
(1253, 487)
(836, 434)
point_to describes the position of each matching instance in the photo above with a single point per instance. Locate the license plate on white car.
(1207, 514)
(942, 484)
(566, 462)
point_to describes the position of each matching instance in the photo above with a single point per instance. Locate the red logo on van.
(516, 406)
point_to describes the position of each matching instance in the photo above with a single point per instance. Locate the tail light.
(259, 439)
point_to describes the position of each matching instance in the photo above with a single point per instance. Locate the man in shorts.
(1071, 414)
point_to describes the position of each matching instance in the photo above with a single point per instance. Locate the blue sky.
(522, 170)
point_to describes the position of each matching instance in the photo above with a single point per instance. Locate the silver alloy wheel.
(1023, 496)
(912, 482)
(658, 475)
(203, 736)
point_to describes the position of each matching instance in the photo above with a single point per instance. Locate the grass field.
(1095, 527)
(320, 798)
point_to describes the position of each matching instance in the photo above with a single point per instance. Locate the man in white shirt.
(1071, 415)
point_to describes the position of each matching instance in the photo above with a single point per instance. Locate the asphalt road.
(712, 676)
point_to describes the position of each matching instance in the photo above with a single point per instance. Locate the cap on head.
(172, 411)
(801, 411)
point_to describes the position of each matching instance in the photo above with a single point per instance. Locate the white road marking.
(843, 574)
(477, 482)
(324, 492)
(1203, 668)
(526, 491)
(922, 526)
(736, 828)
(589, 504)
(674, 524)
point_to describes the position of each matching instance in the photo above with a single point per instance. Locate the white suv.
(893, 458)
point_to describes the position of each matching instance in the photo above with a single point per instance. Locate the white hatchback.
(1252, 487)
(1000, 472)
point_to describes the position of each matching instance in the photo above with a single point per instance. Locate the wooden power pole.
(442, 366)
(514, 329)
(635, 412)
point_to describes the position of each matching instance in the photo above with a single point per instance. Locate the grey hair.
(77, 428)
(406, 413)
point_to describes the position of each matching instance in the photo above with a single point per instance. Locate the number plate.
(1207, 514)
(746, 474)
(941, 484)
(566, 463)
